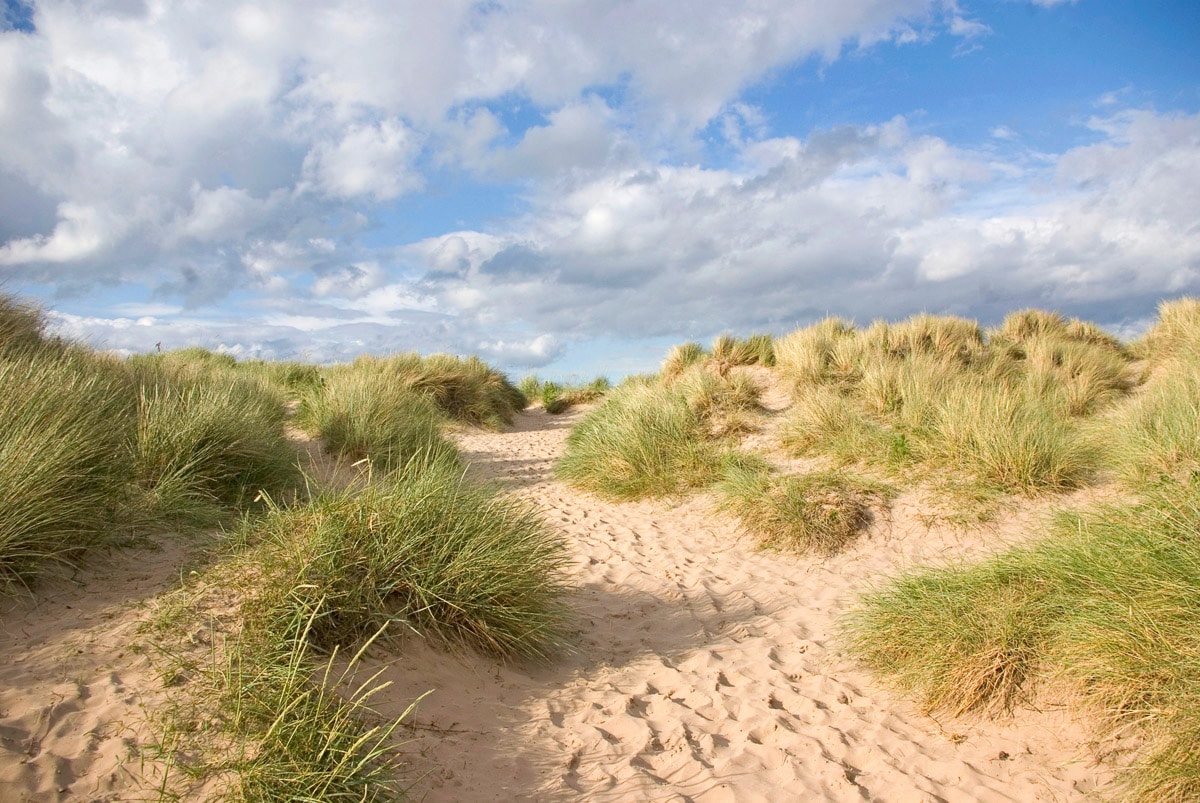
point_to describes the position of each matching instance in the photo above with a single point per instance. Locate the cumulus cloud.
(255, 155)
(866, 222)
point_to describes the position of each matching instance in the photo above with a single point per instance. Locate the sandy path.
(76, 682)
(703, 670)
(707, 671)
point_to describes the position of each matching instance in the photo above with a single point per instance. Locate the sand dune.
(706, 670)
(702, 670)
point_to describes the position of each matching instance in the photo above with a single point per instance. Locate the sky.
(569, 187)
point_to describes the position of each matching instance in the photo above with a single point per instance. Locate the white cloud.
(368, 160)
(227, 149)
(866, 222)
(81, 232)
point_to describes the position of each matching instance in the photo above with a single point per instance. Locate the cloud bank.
(243, 176)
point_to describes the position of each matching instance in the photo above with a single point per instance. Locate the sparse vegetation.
(1103, 606)
(376, 416)
(818, 512)
(643, 441)
(283, 724)
(557, 399)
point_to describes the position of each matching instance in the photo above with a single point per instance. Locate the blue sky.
(568, 187)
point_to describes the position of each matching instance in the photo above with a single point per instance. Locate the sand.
(702, 669)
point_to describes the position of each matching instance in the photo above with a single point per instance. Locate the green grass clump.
(682, 357)
(824, 422)
(65, 463)
(294, 727)
(557, 399)
(1009, 441)
(643, 441)
(1107, 606)
(466, 390)
(820, 512)
(424, 547)
(206, 446)
(374, 415)
(292, 379)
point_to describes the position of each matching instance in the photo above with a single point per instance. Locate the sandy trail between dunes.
(706, 670)
(703, 670)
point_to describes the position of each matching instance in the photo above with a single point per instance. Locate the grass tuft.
(206, 447)
(465, 389)
(643, 441)
(65, 463)
(820, 512)
(1107, 606)
(682, 357)
(423, 547)
(374, 415)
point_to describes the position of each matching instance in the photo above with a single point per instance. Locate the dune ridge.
(701, 669)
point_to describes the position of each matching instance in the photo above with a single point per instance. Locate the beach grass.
(423, 549)
(1106, 605)
(375, 416)
(643, 441)
(819, 512)
(207, 445)
(464, 389)
(65, 462)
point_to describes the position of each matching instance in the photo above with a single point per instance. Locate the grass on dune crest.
(1175, 333)
(558, 398)
(643, 441)
(1006, 412)
(819, 512)
(727, 352)
(375, 416)
(423, 546)
(465, 389)
(1155, 437)
(1107, 606)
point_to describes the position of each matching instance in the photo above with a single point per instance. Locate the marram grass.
(208, 446)
(376, 416)
(643, 441)
(1107, 606)
(282, 723)
(426, 550)
(65, 464)
(820, 512)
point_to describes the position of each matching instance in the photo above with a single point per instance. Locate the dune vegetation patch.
(557, 398)
(1106, 604)
(802, 439)
(820, 512)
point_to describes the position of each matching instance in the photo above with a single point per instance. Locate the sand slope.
(76, 681)
(706, 670)
(703, 670)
